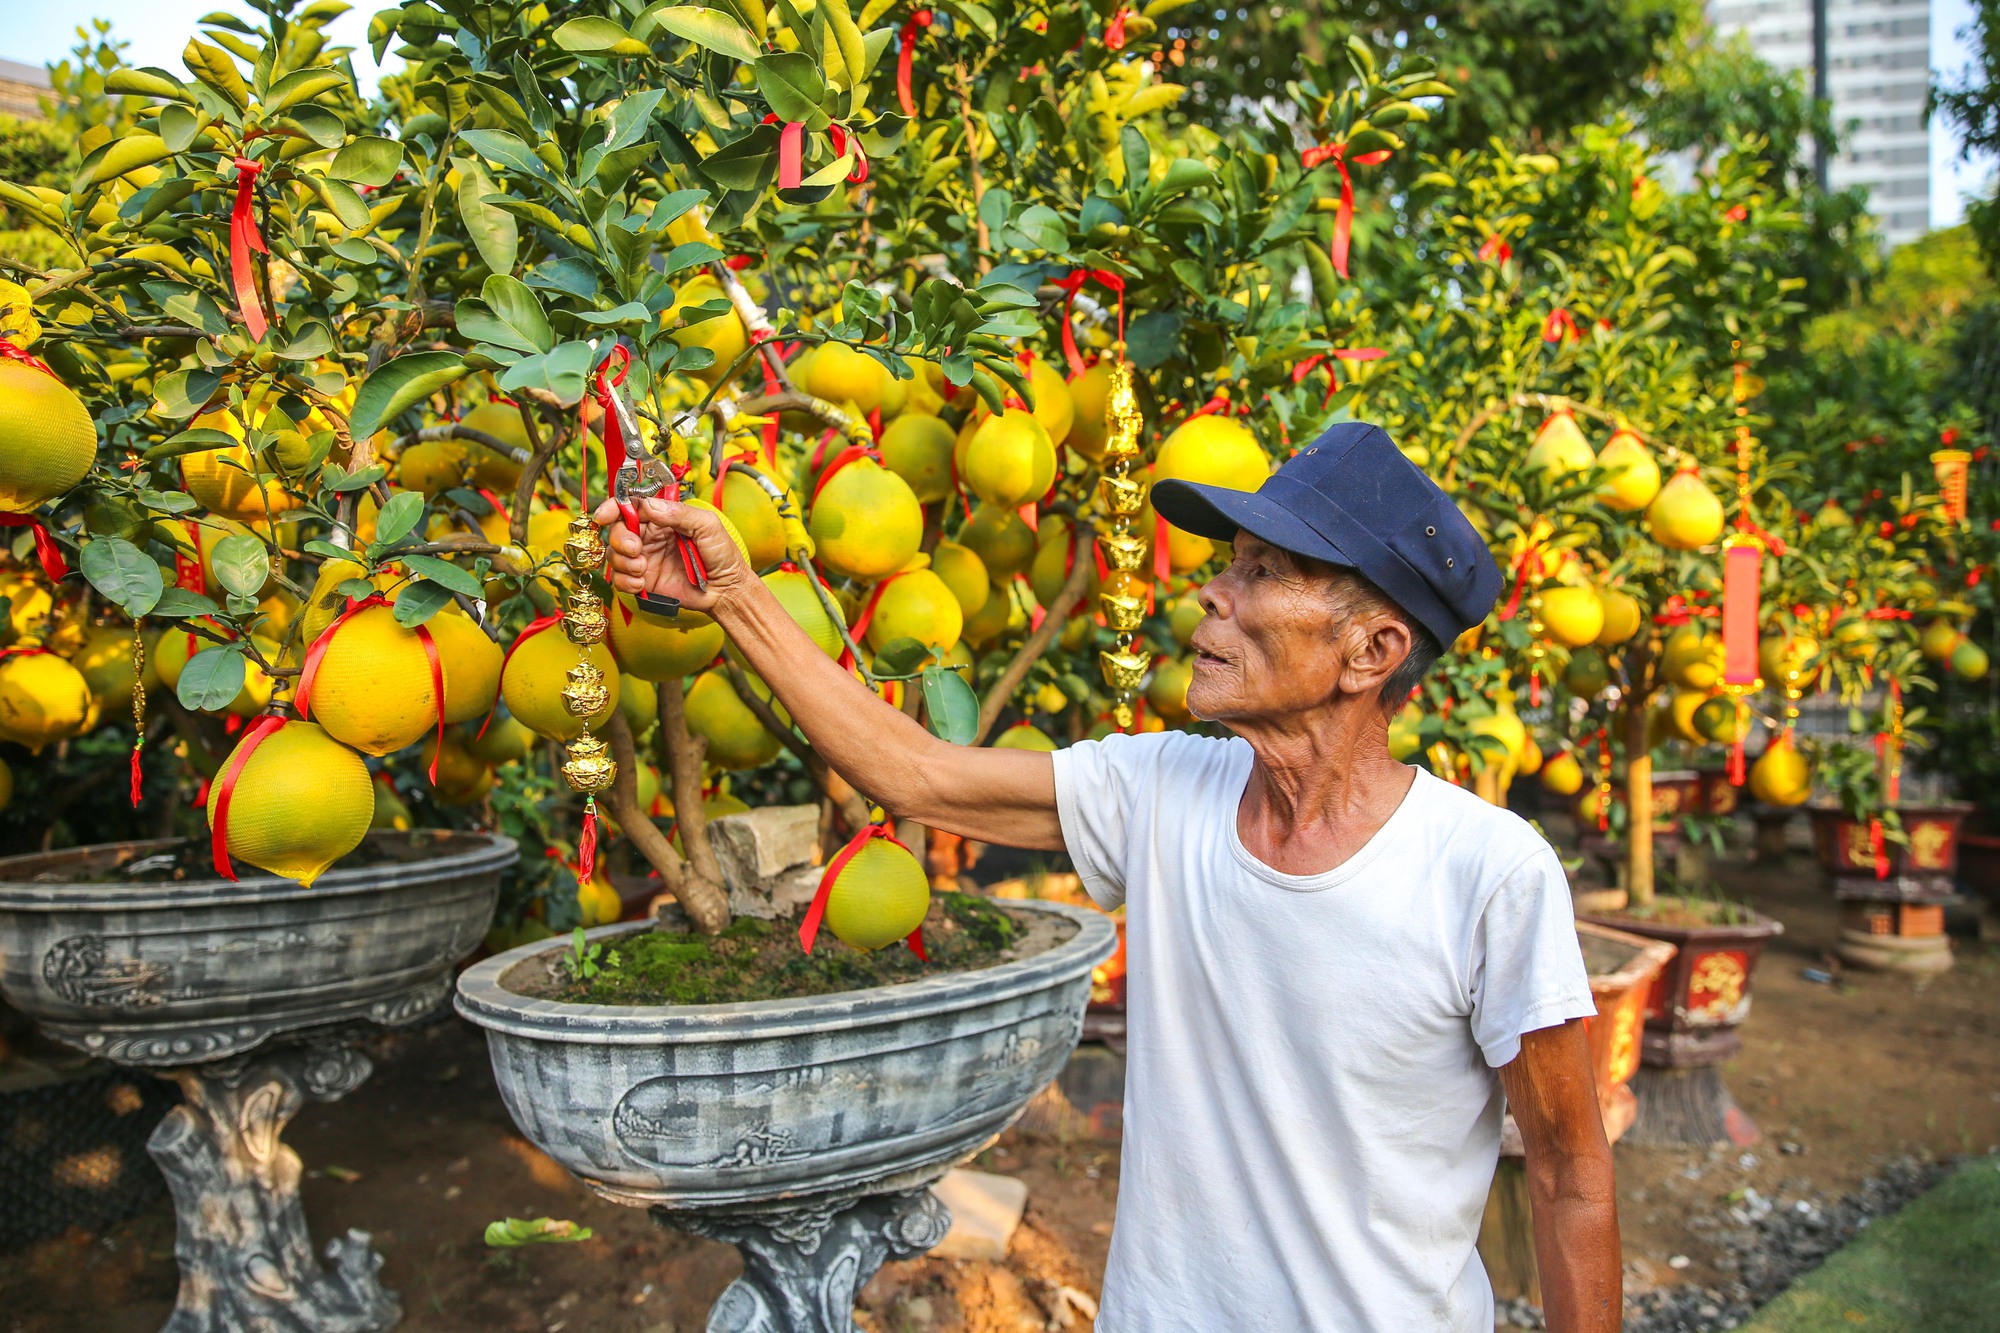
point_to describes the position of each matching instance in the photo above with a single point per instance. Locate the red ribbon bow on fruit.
(9, 351)
(302, 700)
(218, 828)
(1114, 31)
(1343, 218)
(809, 928)
(243, 238)
(792, 150)
(905, 56)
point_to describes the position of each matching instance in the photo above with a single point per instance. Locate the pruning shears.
(642, 475)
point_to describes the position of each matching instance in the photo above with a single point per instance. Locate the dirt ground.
(422, 1156)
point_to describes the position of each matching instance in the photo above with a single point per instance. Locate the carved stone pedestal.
(246, 1261)
(804, 1265)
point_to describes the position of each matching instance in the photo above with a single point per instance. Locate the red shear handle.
(629, 514)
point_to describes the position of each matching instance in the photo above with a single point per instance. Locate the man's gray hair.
(1361, 593)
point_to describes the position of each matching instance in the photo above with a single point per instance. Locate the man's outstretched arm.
(1002, 796)
(1554, 1101)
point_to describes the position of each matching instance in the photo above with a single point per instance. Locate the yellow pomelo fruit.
(597, 903)
(916, 605)
(959, 658)
(1634, 477)
(463, 778)
(1685, 515)
(1087, 393)
(723, 334)
(373, 688)
(878, 897)
(230, 482)
(1051, 699)
(1562, 774)
(1559, 449)
(1622, 617)
(301, 802)
(547, 531)
(30, 603)
(1055, 561)
(1677, 718)
(431, 466)
(504, 741)
(1215, 450)
(1022, 736)
(1692, 659)
(1940, 640)
(532, 683)
(471, 664)
(1968, 660)
(1183, 616)
(794, 591)
(280, 609)
(1503, 725)
(990, 621)
(1781, 776)
(1404, 740)
(964, 573)
(653, 648)
(1167, 692)
(1185, 551)
(754, 516)
(42, 698)
(1715, 720)
(486, 469)
(1053, 406)
(1530, 762)
(1788, 660)
(1009, 460)
(736, 739)
(47, 439)
(105, 659)
(917, 447)
(1003, 543)
(840, 374)
(1080, 631)
(639, 701)
(1572, 616)
(866, 522)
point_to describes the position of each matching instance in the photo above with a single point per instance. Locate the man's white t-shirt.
(1311, 1111)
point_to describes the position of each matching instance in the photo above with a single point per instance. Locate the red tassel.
(135, 777)
(586, 843)
(243, 238)
(1560, 327)
(1534, 689)
(1875, 845)
(1114, 31)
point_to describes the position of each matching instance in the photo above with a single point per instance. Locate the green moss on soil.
(761, 960)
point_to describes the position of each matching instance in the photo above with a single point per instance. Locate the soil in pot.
(1688, 913)
(761, 960)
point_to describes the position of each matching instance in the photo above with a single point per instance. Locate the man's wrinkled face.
(1270, 644)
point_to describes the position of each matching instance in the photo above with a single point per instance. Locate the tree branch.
(684, 756)
(1031, 651)
(703, 903)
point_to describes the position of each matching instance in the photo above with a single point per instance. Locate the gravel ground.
(1770, 1243)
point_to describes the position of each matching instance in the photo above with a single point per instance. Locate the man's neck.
(1322, 785)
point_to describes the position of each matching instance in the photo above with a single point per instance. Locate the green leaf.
(950, 707)
(197, 441)
(167, 502)
(357, 481)
(327, 550)
(403, 512)
(119, 156)
(419, 601)
(791, 83)
(123, 574)
(502, 147)
(747, 164)
(493, 230)
(1153, 338)
(183, 393)
(1045, 227)
(562, 372)
(900, 657)
(628, 313)
(217, 68)
(322, 126)
(462, 581)
(178, 126)
(367, 160)
(517, 306)
(399, 385)
(212, 678)
(240, 564)
(1138, 158)
(631, 116)
(543, 1230)
(302, 86)
(180, 604)
(345, 203)
(709, 29)
(591, 35)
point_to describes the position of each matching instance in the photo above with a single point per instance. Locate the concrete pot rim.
(482, 1000)
(494, 852)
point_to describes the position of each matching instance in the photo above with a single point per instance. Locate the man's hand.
(1553, 1097)
(649, 560)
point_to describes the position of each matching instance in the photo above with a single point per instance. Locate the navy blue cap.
(1352, 499)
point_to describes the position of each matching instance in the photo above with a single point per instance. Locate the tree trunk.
(1638, 800)
(705, 904)
(684, 754)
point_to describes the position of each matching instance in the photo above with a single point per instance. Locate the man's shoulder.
(1483, 841)
(1161, 750)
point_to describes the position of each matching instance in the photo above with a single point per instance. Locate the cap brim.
(1219, 513)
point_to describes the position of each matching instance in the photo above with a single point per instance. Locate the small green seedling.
(517, 1231)
(584, 960)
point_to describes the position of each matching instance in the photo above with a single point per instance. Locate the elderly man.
(1337, 962)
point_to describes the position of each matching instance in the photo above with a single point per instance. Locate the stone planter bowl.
(702, 1107)
(177, 972)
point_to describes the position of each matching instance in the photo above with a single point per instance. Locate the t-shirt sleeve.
(1099, 785)
(1527, 968)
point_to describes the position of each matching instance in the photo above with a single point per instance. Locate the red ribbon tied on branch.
(1343, 218)
(809, 928)
(906, 51)
(243, 238)
(603, 389)
(1560, 327)
(1073, 284)
(1114, 31)
(46, 551)
(1328, 359)
(792, 151)
(11, 352)
(1495, 249)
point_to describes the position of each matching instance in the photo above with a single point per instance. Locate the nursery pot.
(1702, 995)
(247, 994)
(1846, 850)
(804, 1131)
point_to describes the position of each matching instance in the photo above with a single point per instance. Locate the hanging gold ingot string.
(1124, 596)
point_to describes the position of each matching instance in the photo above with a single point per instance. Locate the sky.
(36, 33)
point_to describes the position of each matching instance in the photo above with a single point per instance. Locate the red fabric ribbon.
(302, 699)
(528, 631)
(586, 843)
(791, 151)
(1495, 248)
(1114, 31)
(1875, 841)
(11, 352)
(218, 832)
(1162, 564)
(187, 568)
(852, 453)
(46, 551)
(1327, 359)
(1343, 218)
(1071, 285)
(1527, 565)
(603, 391)
(243, 238)
(905, 57)
(1560, 327)
(1739, 771)
(844, 140)
(809, 928)
(770, 434)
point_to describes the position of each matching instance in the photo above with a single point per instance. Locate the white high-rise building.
(1877, 57)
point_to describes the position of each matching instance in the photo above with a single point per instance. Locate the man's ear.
(1378, 645)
